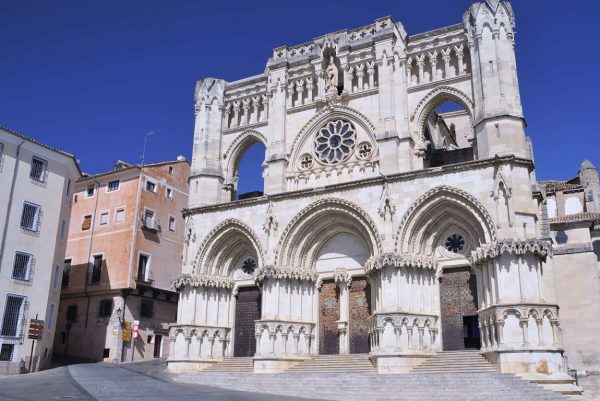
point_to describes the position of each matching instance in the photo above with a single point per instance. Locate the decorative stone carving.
(201, 280)
(268, 272)
(391, 259)
(516, 247)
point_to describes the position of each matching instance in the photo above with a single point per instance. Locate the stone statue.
(331, 78)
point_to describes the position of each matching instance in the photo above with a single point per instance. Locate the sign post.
(136, 327)
(36, 331)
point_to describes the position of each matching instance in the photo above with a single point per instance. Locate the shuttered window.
(38, 170)
(87, 222)
(13, 311)
(22, 266)
(30, 216)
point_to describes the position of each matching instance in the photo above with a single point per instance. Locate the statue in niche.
(331, 76)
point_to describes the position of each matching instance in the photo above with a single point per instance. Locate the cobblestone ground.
(107, 382)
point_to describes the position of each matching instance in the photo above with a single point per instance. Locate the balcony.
(150, 224)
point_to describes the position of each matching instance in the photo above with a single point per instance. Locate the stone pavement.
(108, 382)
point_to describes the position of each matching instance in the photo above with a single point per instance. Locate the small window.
(106, 307)
(87, 222)
(146, 308)
(69, 188)
(171, 223)
(151, 186)
(169, 193)
(103, 218)
(150, 339)
(90, 191)
(66, 276)
(22, 266)
(63, 230)
(30, 216)
(113, 186)
(143, 267)
(72, 313)
(120, 215)
(50, 324)
(6, 352)
(38, 169)
(56, 277)
(170, 170)
(13, 313)
(106, 353)
(96, 269)
(63, 337)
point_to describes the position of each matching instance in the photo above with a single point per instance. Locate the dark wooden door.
(360, 311)
(157, 345)
(247, 310)
(329, 305)
(458, 299)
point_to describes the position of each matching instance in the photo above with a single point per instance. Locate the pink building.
(124, 248)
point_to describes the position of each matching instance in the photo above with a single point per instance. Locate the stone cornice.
(201, 280)
(379, 180)
(516, 247)
(375, 263)
(290, 273)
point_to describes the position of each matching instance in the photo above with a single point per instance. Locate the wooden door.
(329, 314)
(247, 310)
(360, 311)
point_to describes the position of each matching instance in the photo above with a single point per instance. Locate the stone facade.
(365, 178)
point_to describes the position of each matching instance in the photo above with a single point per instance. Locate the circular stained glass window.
(249, 266)
(455, 243)
(335, 142)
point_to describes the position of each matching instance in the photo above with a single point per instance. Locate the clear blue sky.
(91, 77)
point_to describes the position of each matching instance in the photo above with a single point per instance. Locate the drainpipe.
(87, 271)
(134, 229)
(10, 201)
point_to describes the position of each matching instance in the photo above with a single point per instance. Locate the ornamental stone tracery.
(335, 142)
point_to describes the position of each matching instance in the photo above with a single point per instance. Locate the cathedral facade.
(389, 225)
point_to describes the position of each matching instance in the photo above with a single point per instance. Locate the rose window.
(365, 150)
(455, 243)
(306, 161)
(249, 266)
(335, 142)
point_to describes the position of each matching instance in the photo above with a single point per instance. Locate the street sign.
(136, 327)
(36, 329)
(126, 335)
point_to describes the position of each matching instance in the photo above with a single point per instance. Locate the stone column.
(433, 62)
(360, 73)
(300, 91)
(255, 108)
(290, 95)
(371, 73)
(309, 90)
(236, 115)
(446, 58)
(246, 115)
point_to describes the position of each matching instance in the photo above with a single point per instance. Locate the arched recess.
(315, 225)
(435, 213)
(433, 100)
(234, 155)
(329, 113)
(224, 246)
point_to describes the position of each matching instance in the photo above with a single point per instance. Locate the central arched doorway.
(360, 311)
(458, 304)
(247, 311)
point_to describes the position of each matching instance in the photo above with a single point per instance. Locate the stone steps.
(455, 361)
(335, 363)
(355, 386)
(236, 364)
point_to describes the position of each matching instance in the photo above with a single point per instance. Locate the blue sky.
(92, 77)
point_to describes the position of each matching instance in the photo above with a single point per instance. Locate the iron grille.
(21, 266)
(30, 216)
(38, 170)
(13, 313)
(6, 352)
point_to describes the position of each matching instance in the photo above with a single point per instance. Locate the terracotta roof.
(555, 186)
(575, 218)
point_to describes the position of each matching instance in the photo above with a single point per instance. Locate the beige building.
(123, 251)
(36, 187)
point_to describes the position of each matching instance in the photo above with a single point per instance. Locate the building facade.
(123, 251)
(574, 218)
(392, 224)
(36, 184)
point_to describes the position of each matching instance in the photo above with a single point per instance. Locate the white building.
(36, 181)
(392, 224)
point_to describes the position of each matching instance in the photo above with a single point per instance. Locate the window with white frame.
(169, 193)
(63, 230)
(13, 315)
(104, 218)
(113, 186)
(30, 216)
(171, 223)
(143, 267)
(22, 266)
(56, 277)
(39, 169)
(120, 215)
(90, 191)
(150, 186)
(6, 352)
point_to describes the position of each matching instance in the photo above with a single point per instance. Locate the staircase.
(237, 364)
(451, 376)
(469, 361)
(358, 363)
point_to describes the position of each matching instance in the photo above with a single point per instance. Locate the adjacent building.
(123, 251)
(36, 189)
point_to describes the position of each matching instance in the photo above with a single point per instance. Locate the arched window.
(249, 182)
(449, 132)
